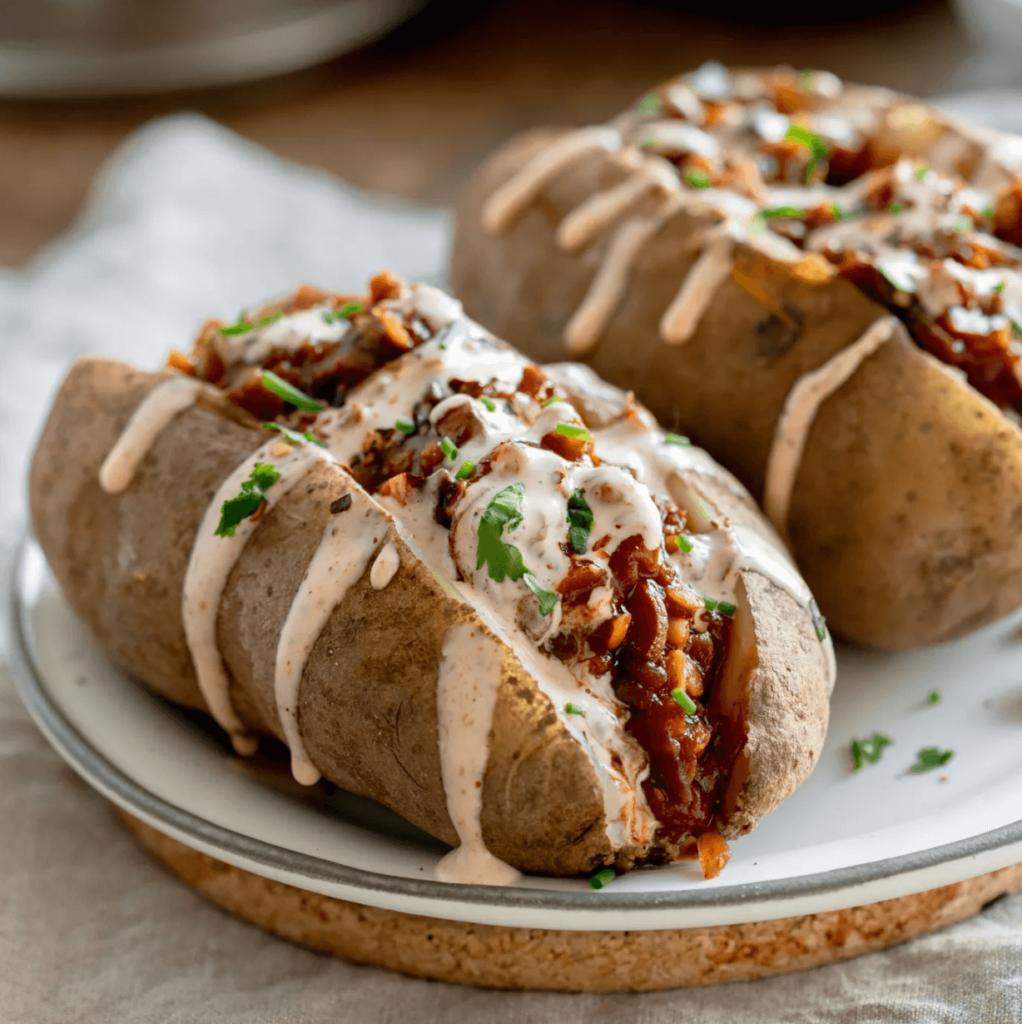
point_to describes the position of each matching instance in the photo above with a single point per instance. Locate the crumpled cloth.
(190, 221)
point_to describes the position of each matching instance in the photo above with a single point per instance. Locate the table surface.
(416, 112)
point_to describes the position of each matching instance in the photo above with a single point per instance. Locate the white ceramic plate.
(843, 839)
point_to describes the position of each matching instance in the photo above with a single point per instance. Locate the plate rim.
(430, 896)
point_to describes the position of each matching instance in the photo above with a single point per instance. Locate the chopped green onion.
(348, 310)
(931, 757)
(786, 212)
(488, 402)
(836, 212)
(572, 709)
(895, 209)
(725, 608)
(405, 426)
(649, 142)
(243, 326)
(294, 437)
(247, 502)
(465, 470)
(649, 104)
(571, 430)
(710, 604)
(450, 448)
(819, 620)
(678, 439)
(684, 701)
(580, 522)
(281, 388)
(684, 544)
(962, 224)
(988, 212)
(807, 79)
(999, 287)
(698, 179)
(552, 399)
(602, 878)
(1017, 328)
(933, 696)
(817, 146)
(869, 750)
(922, 171)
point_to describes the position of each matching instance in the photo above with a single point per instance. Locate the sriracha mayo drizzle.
(638, 463)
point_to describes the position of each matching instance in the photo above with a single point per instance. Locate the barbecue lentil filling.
(793, 132)
(660, 639)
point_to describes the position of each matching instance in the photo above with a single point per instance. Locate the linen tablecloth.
(190, 221)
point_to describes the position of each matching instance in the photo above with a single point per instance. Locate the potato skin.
(889, 570)
(367, 702)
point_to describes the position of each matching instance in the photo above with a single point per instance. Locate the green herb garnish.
(580, 522)
(294, 437)
(505, 560)
(710, 604)
(1016, 327)
(819, 620)
(253, 494)
(787, 212)
(725, 607)
(488, 402)
(572, 709)
(895, 209)
(817, 146)
(602, 878)
(999, 287)
(931, 757)
(573, 431)
(407, 427)
(933, 697)
(807, 79)
(281, 388)
(988, 212)
(345, 312)
(869, 750)
(552, 399)
(698, 179)
(922, 171)
(649, 104)
(465, 470)
(684, 701)
(243, 326)
(450, 448)
(684, 544)
(962, 224)
(678, 439)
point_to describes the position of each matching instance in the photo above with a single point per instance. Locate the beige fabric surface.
(187, 222)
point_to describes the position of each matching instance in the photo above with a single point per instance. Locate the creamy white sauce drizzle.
(209, 567)
(147, 422)
(800, 408)
(385, 565)
(348, 543)
(708, 273)
(468, 682)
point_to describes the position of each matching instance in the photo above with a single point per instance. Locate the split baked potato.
(821, 285)
(493, 596)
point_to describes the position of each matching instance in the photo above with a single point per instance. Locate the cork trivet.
(535, 958)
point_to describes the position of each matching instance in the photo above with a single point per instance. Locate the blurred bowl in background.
(73, 48)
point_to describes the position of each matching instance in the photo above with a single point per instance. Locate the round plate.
(844, 839)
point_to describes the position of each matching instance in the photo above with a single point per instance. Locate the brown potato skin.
(367, 703)
(889, 570)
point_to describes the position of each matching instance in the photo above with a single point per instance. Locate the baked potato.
(495, 597)
(820, 284)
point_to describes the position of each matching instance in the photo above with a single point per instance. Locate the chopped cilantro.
(294, 437)
(580, 522)
(819, 620)
(345, 312)
(869, 750)
(243, 326)
(547, 598)
(252, 495)
(602, 878)
(450, 448)
(406, 427)
(649, 104)
(698, 179)
(281, 388)
(573, 431)
(678, 439)
(684, 701)
(931, 757)
(465, 470)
